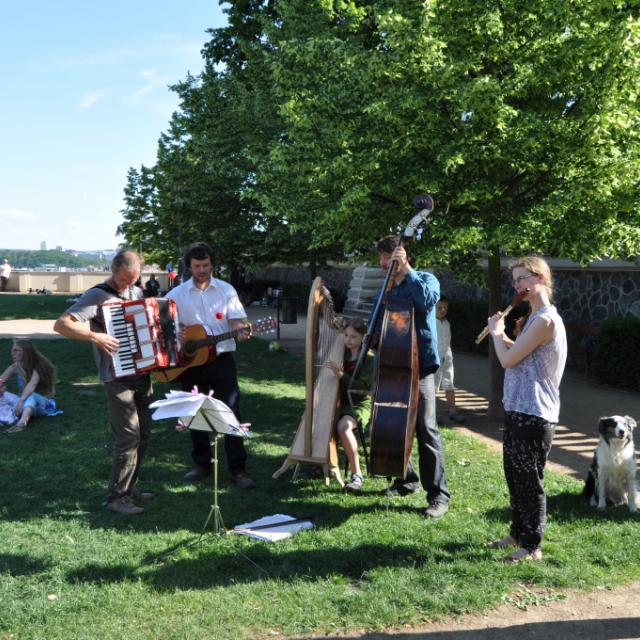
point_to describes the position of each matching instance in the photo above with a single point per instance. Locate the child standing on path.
(443, 377)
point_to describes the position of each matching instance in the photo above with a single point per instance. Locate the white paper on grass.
(274, 534)
(199, 412)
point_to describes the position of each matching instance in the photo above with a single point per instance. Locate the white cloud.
(161, 46)
(92, 97)
(18, 214)
(152, 80)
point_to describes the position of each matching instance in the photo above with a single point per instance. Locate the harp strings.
(326, 330)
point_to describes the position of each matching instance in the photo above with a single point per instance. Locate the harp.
(315, 441)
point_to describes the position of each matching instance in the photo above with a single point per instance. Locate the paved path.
(583, 403)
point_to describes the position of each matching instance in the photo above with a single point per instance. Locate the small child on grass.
(444, 375)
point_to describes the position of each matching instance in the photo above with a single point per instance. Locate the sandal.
(522, 555)
(507, 541)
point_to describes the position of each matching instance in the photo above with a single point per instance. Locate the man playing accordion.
(128, 399)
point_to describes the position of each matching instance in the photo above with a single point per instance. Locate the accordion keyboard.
(129, 325)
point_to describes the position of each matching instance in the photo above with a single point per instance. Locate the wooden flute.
(517, 299)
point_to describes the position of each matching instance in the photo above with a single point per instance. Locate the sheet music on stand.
(203, 413)
(200, 412)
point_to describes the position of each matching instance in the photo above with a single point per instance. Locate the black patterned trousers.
(526, 445)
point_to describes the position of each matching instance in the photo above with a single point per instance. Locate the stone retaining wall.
(584, 295)
(66, 281)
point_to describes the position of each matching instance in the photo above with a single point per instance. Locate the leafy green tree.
(139, 227)
(521, 119)
(209, 159)
(317, 121)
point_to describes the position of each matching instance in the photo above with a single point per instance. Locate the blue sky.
(85, 97)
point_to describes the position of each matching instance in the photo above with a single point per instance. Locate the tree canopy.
(315, 122)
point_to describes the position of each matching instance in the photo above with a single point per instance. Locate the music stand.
(203, 413)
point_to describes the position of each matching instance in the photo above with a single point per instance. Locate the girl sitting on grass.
(35, 378)
(351, 417)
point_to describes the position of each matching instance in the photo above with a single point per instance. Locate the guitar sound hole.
(190, 348)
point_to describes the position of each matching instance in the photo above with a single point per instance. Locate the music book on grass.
(273, 528)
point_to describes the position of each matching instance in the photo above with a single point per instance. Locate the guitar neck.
(213, 340)
(225, 336)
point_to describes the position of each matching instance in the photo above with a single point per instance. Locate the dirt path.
(597, 615)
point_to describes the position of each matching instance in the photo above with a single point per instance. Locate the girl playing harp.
(354, 412)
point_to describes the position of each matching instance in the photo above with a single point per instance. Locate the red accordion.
(148, 333)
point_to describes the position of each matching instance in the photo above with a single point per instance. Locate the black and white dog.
(612, 476)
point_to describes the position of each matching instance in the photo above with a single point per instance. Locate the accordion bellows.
(148, 333)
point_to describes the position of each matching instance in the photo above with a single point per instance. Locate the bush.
(616, 357)
(468, 318)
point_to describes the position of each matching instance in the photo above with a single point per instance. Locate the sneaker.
(243, 480)
(355, 484)
(198, 473)
(523, 555)
(397, 489)
(124, 506)
(136, 494)
(436, 510)
(503, 543)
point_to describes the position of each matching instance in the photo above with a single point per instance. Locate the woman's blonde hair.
(33, 360)
(537, 266)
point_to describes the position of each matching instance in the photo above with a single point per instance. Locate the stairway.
(363, 288)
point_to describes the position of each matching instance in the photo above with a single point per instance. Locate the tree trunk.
(313, 265)
(496, 372)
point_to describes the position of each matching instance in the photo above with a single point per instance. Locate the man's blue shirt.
(423, 290)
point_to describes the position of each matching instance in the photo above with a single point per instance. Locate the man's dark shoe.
(436, 510)
(136, 494)
(243, 480)
(198, 473)
(397, 489)
(124, 506)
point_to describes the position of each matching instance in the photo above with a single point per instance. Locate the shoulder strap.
(109, 289)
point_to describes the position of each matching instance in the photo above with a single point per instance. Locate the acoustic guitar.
(198, 347)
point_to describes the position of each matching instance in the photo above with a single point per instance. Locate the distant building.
(59, 247)
(43, 246)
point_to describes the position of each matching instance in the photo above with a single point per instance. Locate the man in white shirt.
(214, 304)
(5, 272)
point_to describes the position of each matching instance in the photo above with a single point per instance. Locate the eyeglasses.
(519, 279)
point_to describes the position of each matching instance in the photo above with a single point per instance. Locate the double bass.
(395, 394)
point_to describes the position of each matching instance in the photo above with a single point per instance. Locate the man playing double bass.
(422, 289)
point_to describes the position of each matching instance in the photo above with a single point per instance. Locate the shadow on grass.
(571, 507)
(21, 565)
(253, 563)
(69, 483)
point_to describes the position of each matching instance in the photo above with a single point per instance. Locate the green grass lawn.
(69, 568)
(34, 306)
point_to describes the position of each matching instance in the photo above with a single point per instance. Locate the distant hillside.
(20, 259)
